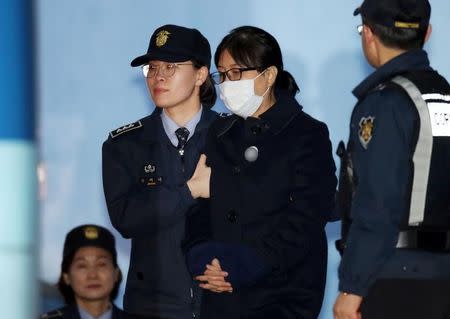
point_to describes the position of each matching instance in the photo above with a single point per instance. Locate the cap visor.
(357, 11)
(166, 57)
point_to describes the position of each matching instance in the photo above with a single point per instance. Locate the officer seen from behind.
(396, 263)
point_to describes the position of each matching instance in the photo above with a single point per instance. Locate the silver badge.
(149, 168)
(251, 153)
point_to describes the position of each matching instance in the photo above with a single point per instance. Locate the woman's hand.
(199, 182)
(213, 278)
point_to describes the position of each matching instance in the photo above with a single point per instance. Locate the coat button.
(232, 216)
(236, 170)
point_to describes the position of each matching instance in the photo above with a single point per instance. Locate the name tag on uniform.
(440, 118)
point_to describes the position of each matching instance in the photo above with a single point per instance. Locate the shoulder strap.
(422, 152)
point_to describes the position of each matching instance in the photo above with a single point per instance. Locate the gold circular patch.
(91, 232)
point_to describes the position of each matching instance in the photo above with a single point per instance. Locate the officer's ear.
(66, 279)
(428, 34)
(202, 75)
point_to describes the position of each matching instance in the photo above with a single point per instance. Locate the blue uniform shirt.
(170, 126)
(85, 315)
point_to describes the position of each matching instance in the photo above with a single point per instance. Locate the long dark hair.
(67, 291)
(253, 47)
(208, 93)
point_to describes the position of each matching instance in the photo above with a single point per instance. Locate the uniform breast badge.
(365, 132)
(149, 168)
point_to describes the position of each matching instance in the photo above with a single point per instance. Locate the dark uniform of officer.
(397, 253)
(85, 236)
(144, 179)
(72, 312)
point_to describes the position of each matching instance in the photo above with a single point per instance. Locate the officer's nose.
(158, 76)
(92, 272)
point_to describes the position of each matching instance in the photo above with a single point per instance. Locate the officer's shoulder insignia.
(366, 125)
(52, 315)
(125, 129)
(223, 114)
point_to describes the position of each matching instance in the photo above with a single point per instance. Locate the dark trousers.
(407, 298)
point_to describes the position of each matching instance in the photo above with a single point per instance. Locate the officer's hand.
(347, 306)
(199, 182)
(213, 278)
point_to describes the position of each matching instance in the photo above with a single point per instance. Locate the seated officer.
(90, 277)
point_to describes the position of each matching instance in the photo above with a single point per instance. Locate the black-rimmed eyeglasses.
(165, 69)
(233, 74)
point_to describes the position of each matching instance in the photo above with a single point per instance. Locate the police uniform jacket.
(383, 137)
(71, 312)
(271, 212)
(144, 180)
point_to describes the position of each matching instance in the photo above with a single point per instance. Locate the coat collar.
(275, 119)
(408, 61)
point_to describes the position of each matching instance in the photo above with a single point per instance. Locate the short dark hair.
(67, 290)
(208, 93)
(253, 47)
(398, 38)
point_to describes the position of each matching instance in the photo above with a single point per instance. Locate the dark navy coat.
(71, 312)
(144, 180)
(267, 216)
(383, 133)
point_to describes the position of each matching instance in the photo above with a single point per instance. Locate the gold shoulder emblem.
(161, 38)
(366, 125)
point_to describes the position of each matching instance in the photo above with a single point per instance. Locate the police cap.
(89, 235)
(172, 43)
(406, 14)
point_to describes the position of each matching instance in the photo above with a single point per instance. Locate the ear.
(66, 278)
(428, 34)
(271, 75)
(368, 35)
(202, 75)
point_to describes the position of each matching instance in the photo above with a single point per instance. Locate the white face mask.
(240, 98)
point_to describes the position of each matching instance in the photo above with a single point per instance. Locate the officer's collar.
(408, 61)
(152, 124)
(276, 118)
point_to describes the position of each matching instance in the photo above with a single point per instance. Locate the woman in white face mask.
(256, 241)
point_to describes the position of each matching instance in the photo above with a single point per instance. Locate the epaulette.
(223, 114)
(125, 129)
(52, 314)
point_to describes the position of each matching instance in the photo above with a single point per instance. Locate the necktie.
(182, 135)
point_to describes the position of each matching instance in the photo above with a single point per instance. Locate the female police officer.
(90, 277)
(145, 168)
(271, 189)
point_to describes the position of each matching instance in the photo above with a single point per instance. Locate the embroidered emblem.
(161, 38)
(149, 168)
(365, 133)
(223, 114)
(125, 128)
(91, 232)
